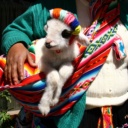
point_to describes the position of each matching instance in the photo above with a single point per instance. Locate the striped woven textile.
(102, 35)
(106, 120)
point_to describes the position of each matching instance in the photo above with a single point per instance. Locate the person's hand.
(16, 57)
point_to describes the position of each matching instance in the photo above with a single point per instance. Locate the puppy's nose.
(47, 45)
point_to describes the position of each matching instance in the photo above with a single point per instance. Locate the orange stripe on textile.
(30, 69)
(2, 62)
(87, 67)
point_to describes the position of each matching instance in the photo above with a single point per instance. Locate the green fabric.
(29, 26)
(124, 12)
(73, 117)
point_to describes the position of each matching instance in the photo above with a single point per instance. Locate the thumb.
(31, 61)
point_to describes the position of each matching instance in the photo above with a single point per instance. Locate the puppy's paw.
(44, 109)
(54, 102)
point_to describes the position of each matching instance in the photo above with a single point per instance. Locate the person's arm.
(19, 30)
(16, 39)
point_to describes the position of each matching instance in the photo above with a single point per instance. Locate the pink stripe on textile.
(69, 18)
(96, 53)
(106, 28)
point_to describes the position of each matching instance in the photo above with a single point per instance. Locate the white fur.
(57, 66)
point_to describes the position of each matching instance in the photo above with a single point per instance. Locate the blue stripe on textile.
(91, 73)
(39, 85)
(86, 76)
(72, 98)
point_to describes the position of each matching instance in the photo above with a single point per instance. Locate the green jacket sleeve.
(25, 28)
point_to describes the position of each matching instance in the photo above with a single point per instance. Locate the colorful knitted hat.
(68, 18)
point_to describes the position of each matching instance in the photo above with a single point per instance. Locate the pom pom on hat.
(68, 18)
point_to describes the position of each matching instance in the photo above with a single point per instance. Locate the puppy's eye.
(46, 27)
(66, 33)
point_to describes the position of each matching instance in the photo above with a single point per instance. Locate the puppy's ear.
(83, 39)
(66, 33)
(46, 28)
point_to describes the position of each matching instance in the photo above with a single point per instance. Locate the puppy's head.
(58, 34)
(61, 28)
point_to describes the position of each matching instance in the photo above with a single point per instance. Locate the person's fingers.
(14, 74)
(9, 77)
(14, 69)
(21, 68)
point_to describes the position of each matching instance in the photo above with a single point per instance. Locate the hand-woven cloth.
(102, 35)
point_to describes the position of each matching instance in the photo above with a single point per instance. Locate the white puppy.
(54, 56)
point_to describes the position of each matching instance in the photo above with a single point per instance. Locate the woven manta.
(55, 53)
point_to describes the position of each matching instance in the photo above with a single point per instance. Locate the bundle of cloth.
(89, 85)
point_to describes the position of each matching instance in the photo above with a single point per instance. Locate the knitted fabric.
(68, 18)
